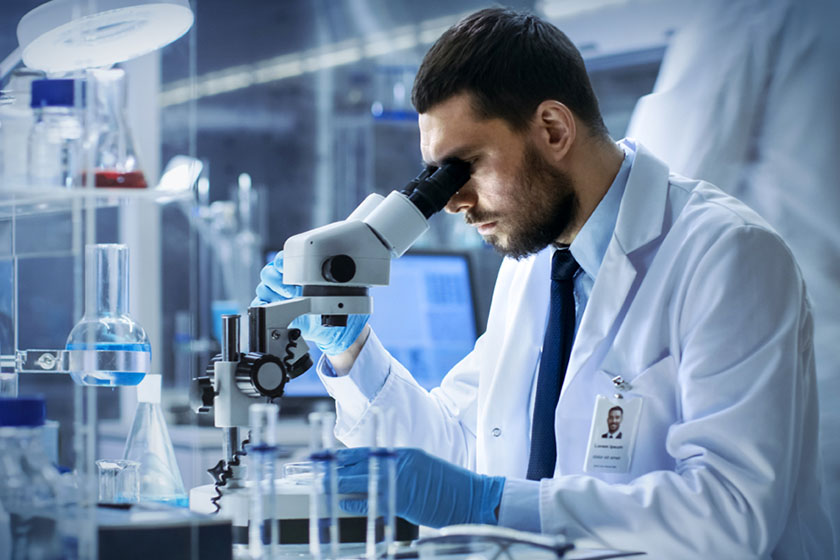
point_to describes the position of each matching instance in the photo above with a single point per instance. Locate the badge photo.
(612, 434)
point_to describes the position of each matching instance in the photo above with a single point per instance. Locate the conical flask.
(148, 443)
(115, 159)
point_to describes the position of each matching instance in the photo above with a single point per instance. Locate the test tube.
(264, 527)
(323, 499)
(382, 482)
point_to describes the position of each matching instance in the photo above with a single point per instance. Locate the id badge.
(612, 434)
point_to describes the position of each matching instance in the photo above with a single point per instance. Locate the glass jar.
(16, 118)
(36, 520)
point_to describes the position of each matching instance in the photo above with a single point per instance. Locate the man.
(613, 423)
(620, 280)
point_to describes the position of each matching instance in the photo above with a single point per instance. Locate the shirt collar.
(590, 244)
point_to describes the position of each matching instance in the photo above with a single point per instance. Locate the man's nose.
(461, 201)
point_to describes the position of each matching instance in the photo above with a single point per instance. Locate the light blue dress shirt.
(520, 500)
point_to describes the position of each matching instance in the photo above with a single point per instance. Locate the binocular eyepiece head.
(432, 189)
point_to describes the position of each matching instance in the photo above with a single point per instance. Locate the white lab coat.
(701, 307)
(754, 86)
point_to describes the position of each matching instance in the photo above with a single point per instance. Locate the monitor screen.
(425, 318)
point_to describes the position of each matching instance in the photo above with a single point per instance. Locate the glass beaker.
(149, 445)
(323, 499)
(114, 158)
(119, 482)
(107, 347)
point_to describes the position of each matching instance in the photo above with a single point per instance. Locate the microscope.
(335, 265)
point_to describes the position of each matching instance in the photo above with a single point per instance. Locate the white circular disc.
(58, 37)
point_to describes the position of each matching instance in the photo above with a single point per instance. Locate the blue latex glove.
(331, 340)
(430, 491)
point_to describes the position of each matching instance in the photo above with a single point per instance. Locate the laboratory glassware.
(8, 385)
(107, 347)
(323, 499)
(382, 488)
(56, 140)
(114, 157)
(16, 118)
(299, 473)
(32, 494)
(263, 528)
(119, 481)
(149, 444)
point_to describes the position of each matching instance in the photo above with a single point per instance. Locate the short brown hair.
(510, 62)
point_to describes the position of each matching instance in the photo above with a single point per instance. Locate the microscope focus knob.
(261, 375)
(339, 269)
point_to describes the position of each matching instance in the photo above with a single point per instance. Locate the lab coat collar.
(646, 195)
(640, 221)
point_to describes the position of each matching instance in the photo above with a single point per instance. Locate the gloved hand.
(331, 340)
(430, 491)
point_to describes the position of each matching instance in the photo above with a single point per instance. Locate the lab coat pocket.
(656, 385)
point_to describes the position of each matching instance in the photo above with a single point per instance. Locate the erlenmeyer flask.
(148, 443)
(107, 347)
(115, 160)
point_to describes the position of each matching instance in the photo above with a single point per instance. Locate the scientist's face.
(614, 421)
(515, 198)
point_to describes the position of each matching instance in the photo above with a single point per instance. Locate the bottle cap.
(22, 411)
(53, 93)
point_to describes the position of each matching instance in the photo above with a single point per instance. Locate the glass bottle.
(35, 504)
(149, 444)
(56, 140)
(16, 118)
(107, 347)
(114, 157)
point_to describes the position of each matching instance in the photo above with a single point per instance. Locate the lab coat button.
(497, 432)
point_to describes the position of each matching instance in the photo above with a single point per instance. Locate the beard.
(546, 209)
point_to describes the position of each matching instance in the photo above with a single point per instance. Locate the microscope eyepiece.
(432, 189)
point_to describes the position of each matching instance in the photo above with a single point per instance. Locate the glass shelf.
(22, 201)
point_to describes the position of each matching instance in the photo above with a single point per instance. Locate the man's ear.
(555, 128)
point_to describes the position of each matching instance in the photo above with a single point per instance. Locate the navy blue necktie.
(557, 345)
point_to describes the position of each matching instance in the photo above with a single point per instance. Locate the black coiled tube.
(224, 471)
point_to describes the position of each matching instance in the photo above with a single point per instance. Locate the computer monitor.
(426, 318)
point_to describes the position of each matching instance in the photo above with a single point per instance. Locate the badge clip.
(621, 386)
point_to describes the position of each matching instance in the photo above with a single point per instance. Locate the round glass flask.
(107, 347)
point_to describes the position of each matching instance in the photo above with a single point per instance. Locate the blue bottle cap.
(23, 411)
(53, 93)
